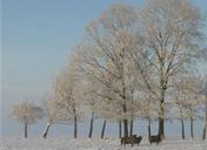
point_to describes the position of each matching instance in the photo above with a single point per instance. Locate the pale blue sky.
(37, 38)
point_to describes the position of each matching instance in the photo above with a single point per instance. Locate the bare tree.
(27, 113)
(152, 48)
(173, 39)
(181, 105)
(66, 93)
(53, 114)
(110, 38)
(187, 100)
(111, 110)
(194, 85)
(90, 97)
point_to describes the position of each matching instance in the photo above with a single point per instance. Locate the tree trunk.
(25, 130)
(191, 127)
(161, 127)
(131, 127)
(161, 115)
(75, 126)
(103, 129)
(120, 129)
(125, 128)
(132, 114)
(91, 126)
(125, 122)
(204, 129)
(45, 133)
(149, 121)
(205, 115)
(183, 128)
(75, 121)
(149, 127)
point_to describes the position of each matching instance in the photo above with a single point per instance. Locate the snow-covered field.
(96, 144)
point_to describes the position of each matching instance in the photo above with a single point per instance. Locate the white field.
(19, 143)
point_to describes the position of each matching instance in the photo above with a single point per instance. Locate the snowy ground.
(96, 144)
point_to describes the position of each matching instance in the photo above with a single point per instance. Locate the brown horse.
(155, 139)
(128, 140)
(138, 140)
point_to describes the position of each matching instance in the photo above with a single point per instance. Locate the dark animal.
(128, 140)
(155, 139)
(138, 140)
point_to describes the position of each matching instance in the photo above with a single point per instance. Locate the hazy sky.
(37, 38)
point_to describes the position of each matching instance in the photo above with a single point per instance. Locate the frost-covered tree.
(51, 114)
(54, 116)
(173, 39)
(27, 113)
(181, 114)
(187, 101)
(90, 98)
(109, 40)
(126, 51)
(66, 94)
(193, 85)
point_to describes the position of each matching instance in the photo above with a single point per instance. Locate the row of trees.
(135, 63)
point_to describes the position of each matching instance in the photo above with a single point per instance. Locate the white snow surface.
(19, 143)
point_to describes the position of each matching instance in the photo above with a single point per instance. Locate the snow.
(19, 143)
